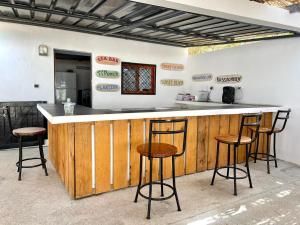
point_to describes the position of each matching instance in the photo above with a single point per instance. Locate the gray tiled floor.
(275, 199)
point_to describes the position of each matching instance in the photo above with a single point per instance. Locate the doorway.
(72, 77)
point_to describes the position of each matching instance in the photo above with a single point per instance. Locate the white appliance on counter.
(65, 87)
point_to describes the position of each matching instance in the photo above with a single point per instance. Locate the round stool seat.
(158, 150)
(233, 139)
(29, 131)
(265, 130)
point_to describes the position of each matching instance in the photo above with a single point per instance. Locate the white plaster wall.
(21, 66)
(271, 75)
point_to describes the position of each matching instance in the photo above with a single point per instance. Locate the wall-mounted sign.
(172, 66)
(108, 60)
(107, 87)
(225, 79)
(202, 77)
(171, 82)
(107, 74)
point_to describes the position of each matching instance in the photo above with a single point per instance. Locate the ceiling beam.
(91, 31)
(294, 8)
(12, 2)
(52, 6)
(144, 21)
(251, 40)
(93, 9)
(71, 10)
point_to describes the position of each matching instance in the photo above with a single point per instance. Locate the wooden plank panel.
(224, 130)
(136, 138)
(214, 126)
(191, 152)
(50, 142)
(262, 140)
(61, 153)
(202, 146)
(268, 123)
(83, 159)
(234, 130)
(178, 142)
(120, 154)
(71, 158)
(242, 148)
(253, 145)
(102, 156)
(155, 166)
(168, 139)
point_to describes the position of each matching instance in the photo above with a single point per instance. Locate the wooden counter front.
(97, 157)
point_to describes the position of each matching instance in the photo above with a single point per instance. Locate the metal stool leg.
(174, 183)
(20, 158)
(234, 168)
(161, 177)
(217, 163)
(268, 153)
(250, 149)
(247, 165)
(140, 179)
(256, 150)
(228, 161)
(150, 190)
(274, 148)
(42, 155)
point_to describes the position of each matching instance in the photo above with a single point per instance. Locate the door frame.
(72, 52)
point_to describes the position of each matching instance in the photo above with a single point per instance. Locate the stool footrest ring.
(252, 155)
(230, 177)
(157, 183)
(41, 164)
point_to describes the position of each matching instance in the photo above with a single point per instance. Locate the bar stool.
(280, 115)
(22, 133)
(236, 141)
(161, 151)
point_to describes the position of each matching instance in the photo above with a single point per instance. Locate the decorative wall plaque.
(171, 82)
(202, 77)
(225, 79)
(108, 60)
(172, 66)
(107, 87)
(107, 74)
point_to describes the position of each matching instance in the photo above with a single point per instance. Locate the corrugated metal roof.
(136, 21)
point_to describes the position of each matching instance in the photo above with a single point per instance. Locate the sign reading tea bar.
(107, 87)
(171, 82)
(108, 60)
(225, 79)
(202, 77)
(172, 66)
(107, 74)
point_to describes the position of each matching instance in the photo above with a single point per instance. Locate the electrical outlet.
(36, 85)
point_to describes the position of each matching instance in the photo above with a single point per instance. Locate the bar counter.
(94, 151)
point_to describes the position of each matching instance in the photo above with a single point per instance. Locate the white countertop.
(55, 113)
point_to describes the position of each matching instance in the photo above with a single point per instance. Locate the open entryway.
(72, 77)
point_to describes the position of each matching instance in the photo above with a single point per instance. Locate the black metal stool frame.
(253, 155)
(150, 158)
(19, 164)
(243, 124)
